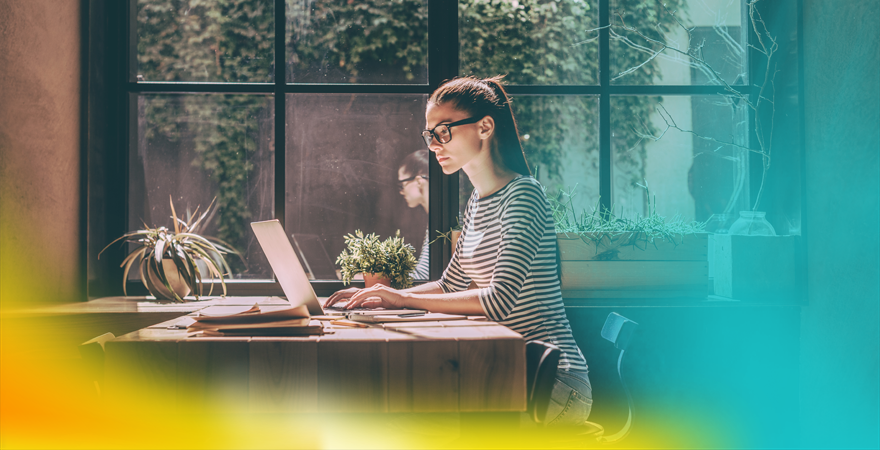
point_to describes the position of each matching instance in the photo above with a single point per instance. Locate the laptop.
(290, 274)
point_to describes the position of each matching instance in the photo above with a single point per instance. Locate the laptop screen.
(288, 270)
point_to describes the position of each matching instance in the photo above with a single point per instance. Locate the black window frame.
(110, 92)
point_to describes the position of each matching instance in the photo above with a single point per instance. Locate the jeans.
(571, 399)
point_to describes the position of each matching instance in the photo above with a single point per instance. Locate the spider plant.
(184, 246)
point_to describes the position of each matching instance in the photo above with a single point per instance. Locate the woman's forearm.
(435, 300)
(431, 287)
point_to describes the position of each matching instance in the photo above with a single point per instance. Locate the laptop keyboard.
(341, 307)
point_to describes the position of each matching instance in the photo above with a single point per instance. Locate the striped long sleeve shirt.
(422, 270)
(508, 248)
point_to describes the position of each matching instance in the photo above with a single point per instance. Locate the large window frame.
(110, 116)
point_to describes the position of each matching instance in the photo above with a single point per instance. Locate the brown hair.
(415, 163)
(487, 97)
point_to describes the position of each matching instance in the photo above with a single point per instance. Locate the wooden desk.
(456, 366)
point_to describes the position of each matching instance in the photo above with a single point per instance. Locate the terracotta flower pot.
(158, 289)
(371, 279)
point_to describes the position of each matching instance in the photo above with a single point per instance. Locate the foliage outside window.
(384, 41)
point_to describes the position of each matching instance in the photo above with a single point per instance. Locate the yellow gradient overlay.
(52, 403)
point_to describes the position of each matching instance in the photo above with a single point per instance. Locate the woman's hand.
(340, 296)
(377, 296)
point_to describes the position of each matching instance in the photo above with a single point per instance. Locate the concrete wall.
(39, 151)
(840, 338)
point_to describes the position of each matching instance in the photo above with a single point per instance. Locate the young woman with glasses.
(412, 182)
(508, 241)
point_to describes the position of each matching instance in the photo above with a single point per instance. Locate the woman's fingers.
(373, 302)
(339, 296)
(360, 297)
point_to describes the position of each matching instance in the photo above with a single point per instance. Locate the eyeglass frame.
(433, 135)
(401, 184)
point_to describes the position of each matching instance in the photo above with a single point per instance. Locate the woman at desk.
(508, 241)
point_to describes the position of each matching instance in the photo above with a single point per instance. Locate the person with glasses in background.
(412, 183)
(508, 241)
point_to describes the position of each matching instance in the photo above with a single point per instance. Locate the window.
(303, 110)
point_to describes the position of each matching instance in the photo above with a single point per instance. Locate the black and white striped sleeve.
(523, 219)
(454, 278)
(422, 272)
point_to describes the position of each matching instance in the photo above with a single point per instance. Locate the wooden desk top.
(451, 366)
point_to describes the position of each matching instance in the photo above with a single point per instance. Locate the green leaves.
(366, 254)
(601, 223)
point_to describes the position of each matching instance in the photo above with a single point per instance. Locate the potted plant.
(172, 261)
(390, 262)
(603, 255)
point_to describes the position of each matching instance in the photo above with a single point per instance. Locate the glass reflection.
(344, 160)
(665, 42)
(533, 42)
(217, 41)
(364, 41)
(679, 150)
(194, 148)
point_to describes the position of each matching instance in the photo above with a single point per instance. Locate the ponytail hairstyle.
(482, 98)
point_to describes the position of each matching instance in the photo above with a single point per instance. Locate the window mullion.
(280, 109)
(443, 190)
(604, 106)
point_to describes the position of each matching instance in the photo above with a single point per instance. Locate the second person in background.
(412, 181)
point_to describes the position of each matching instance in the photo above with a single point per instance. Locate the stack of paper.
(254, 321)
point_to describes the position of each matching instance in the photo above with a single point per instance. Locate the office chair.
(541, 362)
(92, 353)
(619, 331)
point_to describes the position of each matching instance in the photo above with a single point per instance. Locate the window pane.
(689, 169)
(195, 148)
(364, 41)
(533, 42)
(217, 41)
(640, 30)
(560, 136)
(343, 157)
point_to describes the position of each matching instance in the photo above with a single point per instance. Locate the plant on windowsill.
(603, 255)
(450, 236)
(172, 261)
(389, 262)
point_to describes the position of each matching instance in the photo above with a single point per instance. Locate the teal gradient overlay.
(840, 342)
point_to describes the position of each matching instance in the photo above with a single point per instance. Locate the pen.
(415, 314)
(348, 324)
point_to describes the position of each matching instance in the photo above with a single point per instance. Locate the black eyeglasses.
(442, 132)
(402, 183)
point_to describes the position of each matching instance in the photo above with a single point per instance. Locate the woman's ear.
(485, 127)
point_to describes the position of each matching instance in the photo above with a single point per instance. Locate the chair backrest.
(541, 362)
(619, 331)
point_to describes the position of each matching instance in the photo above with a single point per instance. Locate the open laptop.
(290, 274)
